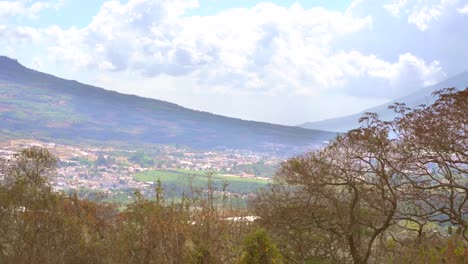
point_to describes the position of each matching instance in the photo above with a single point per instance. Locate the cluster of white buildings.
(78, 169)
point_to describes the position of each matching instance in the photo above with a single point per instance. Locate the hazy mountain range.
(421, 96)
(38, 105)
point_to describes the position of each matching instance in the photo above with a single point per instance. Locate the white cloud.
(419, 12)
(395, 7)
(258, 53)
(266, 51)
(12, 37)
(239, 50)
(25, 8)
(463, 10)
(369, 76)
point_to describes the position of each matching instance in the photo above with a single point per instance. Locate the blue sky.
(284, 62)
(73, 13)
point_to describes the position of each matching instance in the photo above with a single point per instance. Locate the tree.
(259, 249)
(142, 159)
(373, 184)
(433, 139)
(151, 232)
(38, 225)
(32, 167)
(347, 192)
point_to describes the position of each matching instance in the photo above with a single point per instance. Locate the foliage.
(377, 192)
(42, 226)
(142, 159)
(259, 249)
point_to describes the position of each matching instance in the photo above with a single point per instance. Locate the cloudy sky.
(284, 62)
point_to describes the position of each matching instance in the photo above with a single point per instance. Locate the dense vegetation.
(42, 226)
(388, 192)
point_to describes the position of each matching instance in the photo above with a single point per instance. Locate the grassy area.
(30, 103)
(259, 169)
(180, 179)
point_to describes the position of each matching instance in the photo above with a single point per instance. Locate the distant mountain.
(421, 96)
(34, 104)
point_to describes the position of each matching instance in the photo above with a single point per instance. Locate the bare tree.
(434, 141)
(346, 192)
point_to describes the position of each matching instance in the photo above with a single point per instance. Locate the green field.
(180, 179)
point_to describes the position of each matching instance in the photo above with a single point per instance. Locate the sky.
(284, 62)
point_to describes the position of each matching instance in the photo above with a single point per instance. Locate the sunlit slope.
(35, 104)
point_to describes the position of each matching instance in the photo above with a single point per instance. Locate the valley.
(113, 173)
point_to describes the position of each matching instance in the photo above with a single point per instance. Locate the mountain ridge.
(42, 105)
(414, 99)
(133, 95)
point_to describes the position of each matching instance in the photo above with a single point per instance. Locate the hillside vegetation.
(39, 105)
